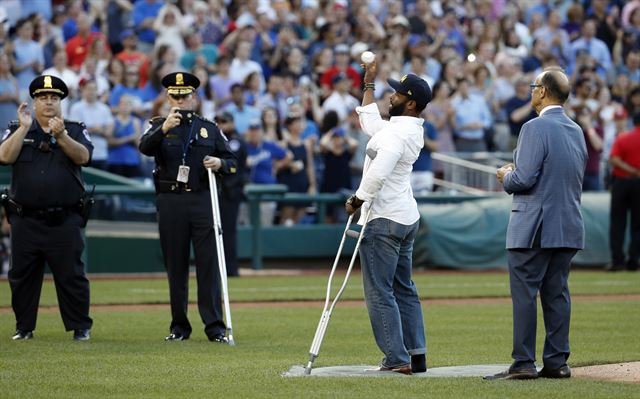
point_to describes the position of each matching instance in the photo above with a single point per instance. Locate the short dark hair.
(550, 80)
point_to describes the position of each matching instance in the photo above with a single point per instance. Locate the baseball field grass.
(468, 321)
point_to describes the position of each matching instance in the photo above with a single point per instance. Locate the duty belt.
(168, 186)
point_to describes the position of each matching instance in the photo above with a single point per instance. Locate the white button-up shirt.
(385, 185)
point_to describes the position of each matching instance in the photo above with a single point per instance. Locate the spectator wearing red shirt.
(131, 57)
(625, 197)
(341, 65)
(78, 46)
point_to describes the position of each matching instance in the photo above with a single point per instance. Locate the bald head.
(556, 83)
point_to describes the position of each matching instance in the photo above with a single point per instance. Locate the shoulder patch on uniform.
(86, 135)
(75, 122)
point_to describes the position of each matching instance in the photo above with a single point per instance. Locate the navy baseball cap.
(414, 87)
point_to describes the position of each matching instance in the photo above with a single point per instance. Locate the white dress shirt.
(386, 184)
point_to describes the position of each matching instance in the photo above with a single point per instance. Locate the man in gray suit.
(545, 227)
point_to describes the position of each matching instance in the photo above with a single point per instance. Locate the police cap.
(48, 84)
(180, 83)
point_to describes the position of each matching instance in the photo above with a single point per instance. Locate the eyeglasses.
(533, 86)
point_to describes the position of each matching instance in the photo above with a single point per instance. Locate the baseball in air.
(367, 57)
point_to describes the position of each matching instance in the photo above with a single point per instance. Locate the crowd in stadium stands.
(289, 72)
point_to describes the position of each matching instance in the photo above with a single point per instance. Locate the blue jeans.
(391, 296)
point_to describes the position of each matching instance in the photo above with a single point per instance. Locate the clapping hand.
(57, 126)
(24, 116)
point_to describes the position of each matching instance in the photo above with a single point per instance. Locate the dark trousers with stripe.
(185, 218)
(34, 243)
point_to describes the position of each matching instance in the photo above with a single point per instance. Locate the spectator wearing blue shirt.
(129, 86)
(144, 15)
(204, 55)
(593, 46)
(472, 117)
(264, 159)
(28, 59)
(518, 109)
(242, 114)
(422, 173)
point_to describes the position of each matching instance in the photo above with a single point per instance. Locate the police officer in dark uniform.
(43, 208)
(184, 145)
(232, 192)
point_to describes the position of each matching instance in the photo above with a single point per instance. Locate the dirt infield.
(618, 372)
(319, 304)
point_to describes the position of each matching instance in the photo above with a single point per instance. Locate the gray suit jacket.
(546, 184)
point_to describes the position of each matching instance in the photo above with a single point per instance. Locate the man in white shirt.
(98, 119)
(387, 244)
(62, 71)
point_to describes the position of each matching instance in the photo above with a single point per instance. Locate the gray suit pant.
(544, 270)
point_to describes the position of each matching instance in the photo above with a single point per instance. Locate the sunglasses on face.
(178, 97)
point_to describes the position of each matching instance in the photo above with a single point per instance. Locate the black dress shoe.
(612, 267)
(219, 338)
(176, 336)
(514, 374)
(419, 363)
(81, 334)
(22, 335)
(562, 372)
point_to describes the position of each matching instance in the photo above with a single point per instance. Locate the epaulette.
(75, 122)
(205, 119)
(156, 119)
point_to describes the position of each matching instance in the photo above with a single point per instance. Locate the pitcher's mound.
(619, 372)
(367, 371)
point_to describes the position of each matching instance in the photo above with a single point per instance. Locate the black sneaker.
(219, 338)
(81, 334)
(176, 336)
(22, 335)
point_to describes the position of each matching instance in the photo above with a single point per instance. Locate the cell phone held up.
(186, 116)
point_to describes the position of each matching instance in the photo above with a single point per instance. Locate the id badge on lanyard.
(183, 174)
(183, 170)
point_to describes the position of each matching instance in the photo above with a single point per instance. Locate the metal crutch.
(222, 264)
(326, 312)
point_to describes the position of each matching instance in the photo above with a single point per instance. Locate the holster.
(85, 204)
(10, 206)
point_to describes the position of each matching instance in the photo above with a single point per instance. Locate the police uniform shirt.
(193, 140)
(43, 176)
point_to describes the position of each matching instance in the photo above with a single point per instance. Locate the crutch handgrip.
(353, 234)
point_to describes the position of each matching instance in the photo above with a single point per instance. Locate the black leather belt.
(164, 186)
